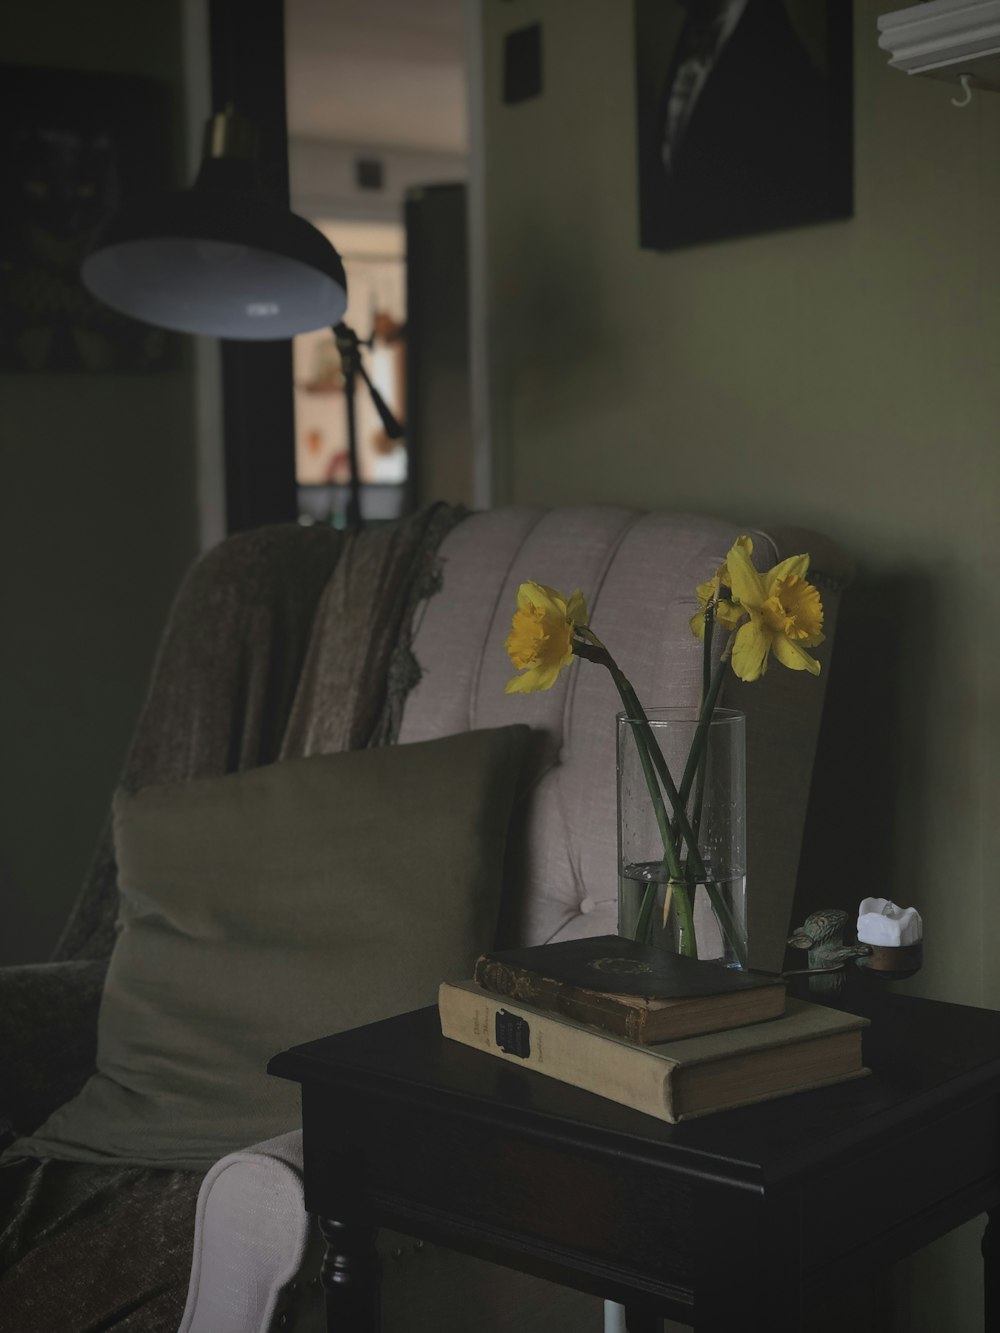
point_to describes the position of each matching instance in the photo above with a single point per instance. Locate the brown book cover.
(809, 1046)
(631, 990)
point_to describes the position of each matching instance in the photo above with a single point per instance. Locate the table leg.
(350, 1276)
(991, 1272)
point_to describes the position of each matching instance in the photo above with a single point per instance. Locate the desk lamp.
(224, 259)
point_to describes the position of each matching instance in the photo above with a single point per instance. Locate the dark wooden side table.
(723, 1223)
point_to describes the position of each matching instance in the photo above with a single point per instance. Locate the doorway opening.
(377, 95)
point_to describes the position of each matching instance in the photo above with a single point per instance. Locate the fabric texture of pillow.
(272, 906)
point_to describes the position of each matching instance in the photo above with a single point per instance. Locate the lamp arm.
(349, 345)
(391, 426)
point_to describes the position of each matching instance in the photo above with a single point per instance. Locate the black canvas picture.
(73, 146)
(744, 117)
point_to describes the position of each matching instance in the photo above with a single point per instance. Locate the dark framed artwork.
(744, 117)
(73, 146)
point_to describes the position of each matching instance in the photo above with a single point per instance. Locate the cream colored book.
(810, 1046)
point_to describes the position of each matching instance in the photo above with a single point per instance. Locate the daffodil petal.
(546, 677)
(576, 609)
(520, 684)
(528, 596)
(697, 623)
(722, 573)
(745, 580)
(528, 682)
(706, 591)
(729, 616)
(795, 564)
(791, 655)
(548, 599)
(750, 649)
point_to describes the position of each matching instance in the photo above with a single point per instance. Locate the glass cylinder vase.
(690, 895)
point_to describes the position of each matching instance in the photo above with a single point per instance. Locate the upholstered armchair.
(271, 654)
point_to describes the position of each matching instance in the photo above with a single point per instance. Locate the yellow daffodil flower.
(540, 642)
(727, 613)
(786, 615)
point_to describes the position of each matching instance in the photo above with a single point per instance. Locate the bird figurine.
(823, 936)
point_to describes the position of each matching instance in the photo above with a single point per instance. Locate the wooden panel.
(541, 1190)
(848, 1210)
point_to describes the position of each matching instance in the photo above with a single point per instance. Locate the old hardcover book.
(809, 1046)
(631, 990)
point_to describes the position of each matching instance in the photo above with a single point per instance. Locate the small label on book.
(513, 1034)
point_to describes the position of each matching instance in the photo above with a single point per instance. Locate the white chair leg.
(614, 1317)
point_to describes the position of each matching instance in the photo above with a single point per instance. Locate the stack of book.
(672, 1036)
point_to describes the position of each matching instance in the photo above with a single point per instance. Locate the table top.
(927, 1057)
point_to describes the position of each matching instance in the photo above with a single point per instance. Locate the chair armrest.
(48, 1038)
(257, 1252)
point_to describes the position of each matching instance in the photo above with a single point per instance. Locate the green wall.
(97, 522)
(839, 376)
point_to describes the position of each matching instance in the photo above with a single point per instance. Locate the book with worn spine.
(631, 990)
(809, 1046)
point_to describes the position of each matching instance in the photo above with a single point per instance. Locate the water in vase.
(714, 930)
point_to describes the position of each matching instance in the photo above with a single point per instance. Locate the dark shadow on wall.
(869, 790)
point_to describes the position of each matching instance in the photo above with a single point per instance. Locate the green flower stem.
(706, 686)
(696, 765)
(683, 828)
(649, 773)
(653, 763)
(684, 900)
(697, 752)
(682, 890)
(670, 857)
(706, 658)
(706, 689)
(642, 923)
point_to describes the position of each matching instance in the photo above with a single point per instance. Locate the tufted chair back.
(638, 572)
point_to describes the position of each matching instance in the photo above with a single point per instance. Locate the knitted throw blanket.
(282, 642)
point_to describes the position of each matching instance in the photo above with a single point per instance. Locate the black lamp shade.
(219, 259)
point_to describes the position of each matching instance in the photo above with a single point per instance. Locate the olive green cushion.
(270, 907)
